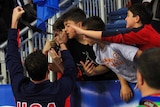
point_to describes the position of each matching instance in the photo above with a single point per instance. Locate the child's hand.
(78, 30)
(88, 67)
(126, 93)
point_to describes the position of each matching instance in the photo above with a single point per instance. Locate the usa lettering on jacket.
(24, 104)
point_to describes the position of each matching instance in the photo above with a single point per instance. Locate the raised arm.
(68, 78)
(13, 59)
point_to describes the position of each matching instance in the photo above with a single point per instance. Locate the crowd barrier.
(6, 96)
(86, 94)
(101, 94)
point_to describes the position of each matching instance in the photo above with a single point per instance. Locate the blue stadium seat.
(118, 25)
(117, 15)
(116, 20)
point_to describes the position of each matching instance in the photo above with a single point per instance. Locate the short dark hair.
(148, 65)
(142, 11)
(36, 65)
(58, 24)
(75, 14)
(94, 23)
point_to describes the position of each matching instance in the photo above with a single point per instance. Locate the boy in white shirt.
(118, 57)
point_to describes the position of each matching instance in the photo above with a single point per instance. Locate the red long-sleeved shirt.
(143, 37)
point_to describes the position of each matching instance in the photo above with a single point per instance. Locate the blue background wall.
(101, 94)
(86, 94)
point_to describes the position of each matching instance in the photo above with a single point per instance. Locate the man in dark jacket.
(37, 90)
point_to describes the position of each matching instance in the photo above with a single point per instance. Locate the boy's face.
(131, 21)
(69, 30)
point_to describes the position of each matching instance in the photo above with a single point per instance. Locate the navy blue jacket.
(45, 94)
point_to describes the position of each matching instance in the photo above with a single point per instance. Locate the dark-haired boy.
(79, 47)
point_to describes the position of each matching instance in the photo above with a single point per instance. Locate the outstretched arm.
(88, 33)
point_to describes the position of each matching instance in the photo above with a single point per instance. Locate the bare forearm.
(122, 80)
(101, 70)
(14, 24)
(93, 34)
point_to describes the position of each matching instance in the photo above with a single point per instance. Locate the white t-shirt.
(119, 58)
